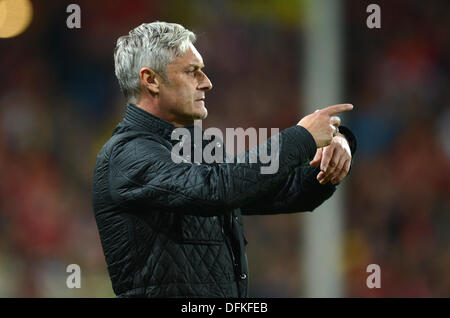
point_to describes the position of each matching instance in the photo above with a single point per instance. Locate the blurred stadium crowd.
(59, 101)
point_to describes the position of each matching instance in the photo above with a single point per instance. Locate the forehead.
(191, 56)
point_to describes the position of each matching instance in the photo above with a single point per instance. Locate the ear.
(149, 80)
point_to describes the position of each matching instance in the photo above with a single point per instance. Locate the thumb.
(317, 158)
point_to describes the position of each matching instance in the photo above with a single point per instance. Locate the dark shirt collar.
(139, 119)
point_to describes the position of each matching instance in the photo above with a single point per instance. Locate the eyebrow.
(197, 66)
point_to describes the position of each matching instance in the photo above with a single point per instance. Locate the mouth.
(201, 101)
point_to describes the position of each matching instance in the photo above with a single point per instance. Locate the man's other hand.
(322, 124)
(334, 160)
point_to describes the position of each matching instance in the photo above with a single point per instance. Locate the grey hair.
(152, 45)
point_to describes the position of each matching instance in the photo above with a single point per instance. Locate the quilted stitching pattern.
(168, 229)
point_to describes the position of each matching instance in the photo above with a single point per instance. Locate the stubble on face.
(179, 91)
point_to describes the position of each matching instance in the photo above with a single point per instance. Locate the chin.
(201, 115)
(205, 113)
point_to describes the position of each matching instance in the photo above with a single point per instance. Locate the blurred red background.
(59, 101)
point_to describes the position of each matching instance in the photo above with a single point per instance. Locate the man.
(175, 229)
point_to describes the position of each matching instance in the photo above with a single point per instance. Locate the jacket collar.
(139, 119)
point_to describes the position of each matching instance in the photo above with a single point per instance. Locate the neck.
(155, 110)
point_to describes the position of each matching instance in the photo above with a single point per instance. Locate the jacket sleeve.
(301, 191)
(141, 171)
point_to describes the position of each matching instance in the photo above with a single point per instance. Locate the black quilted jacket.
(175, 230)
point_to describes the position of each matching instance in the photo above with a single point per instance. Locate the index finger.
(336, 109)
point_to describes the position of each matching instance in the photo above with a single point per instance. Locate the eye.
(195, 72)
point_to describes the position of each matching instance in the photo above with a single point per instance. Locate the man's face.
(182, 94)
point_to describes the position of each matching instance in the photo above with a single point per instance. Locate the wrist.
(349, 137)
(339, 135)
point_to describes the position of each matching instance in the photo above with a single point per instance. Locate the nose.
(205, 84)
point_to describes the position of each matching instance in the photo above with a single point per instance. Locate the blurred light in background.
(15, 17)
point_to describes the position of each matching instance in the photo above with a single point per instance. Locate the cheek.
(176, 96)
(169, 99)
(188, 95)
(181, 94)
